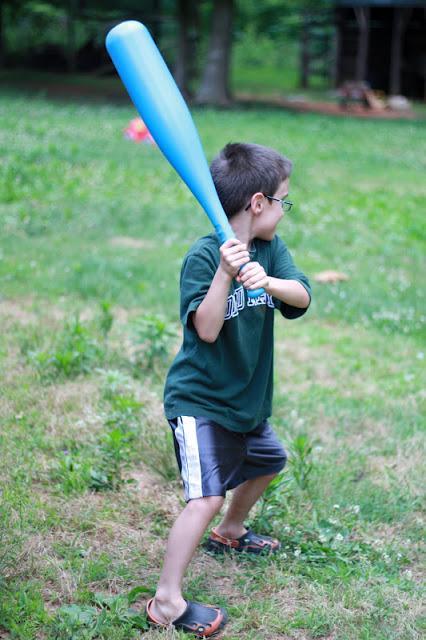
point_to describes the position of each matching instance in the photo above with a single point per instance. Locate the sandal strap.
(260, 540)
(249, 537)
(230, 542)
(150, 616)
(192, 619)
(255, 538)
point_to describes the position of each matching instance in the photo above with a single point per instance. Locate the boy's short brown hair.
(242, 169)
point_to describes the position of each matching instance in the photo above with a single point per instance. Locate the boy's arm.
(285, 283)
(289, 291)
(286, 290)
(209, 316)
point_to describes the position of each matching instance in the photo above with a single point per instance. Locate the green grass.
(94, 232)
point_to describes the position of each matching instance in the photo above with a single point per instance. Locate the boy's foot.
(198, 619)
(249, 542)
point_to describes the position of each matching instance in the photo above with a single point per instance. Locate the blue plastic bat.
(164, 111)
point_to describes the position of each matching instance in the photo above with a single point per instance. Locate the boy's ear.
(257, 202)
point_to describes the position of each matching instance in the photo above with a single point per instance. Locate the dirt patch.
(327, 108)
(116, 94)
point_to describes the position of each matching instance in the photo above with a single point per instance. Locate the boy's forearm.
(208, 319)
(289, 291)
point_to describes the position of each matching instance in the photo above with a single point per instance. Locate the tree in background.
(196, 37)
(214, 86)
(309, 23)
(8, 9)
(188, 34)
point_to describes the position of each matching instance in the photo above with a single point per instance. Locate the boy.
(218, 392)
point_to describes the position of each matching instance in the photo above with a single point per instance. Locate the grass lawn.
(94, 229)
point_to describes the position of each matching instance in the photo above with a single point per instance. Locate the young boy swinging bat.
(218, 393)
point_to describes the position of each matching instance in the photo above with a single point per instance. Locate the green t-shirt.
(229, 381)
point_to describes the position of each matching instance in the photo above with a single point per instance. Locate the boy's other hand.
(253, 276)
(233, 254)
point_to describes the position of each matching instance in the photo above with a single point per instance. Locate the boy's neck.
(241, 224)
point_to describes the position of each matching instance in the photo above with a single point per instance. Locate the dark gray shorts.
(213, 459)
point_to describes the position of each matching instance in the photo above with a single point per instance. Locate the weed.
(300, 461)
(273, 504)
(74, 352)
(114, 383)
(72, 472)
(106, 615)
(12, 505)
(127, 414)
(99, 467)
(153, 339)
(158, 451)
(280, 493)
(106, 319)
(113, 458)
(97, 568)
(22, 610)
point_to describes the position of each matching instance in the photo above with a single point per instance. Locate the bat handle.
(224, 232)
(253, 293)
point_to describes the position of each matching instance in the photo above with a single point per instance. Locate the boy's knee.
(211, 504)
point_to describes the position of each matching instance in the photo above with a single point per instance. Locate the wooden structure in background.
(383, 43)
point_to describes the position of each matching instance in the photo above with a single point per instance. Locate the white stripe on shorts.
(186, 435)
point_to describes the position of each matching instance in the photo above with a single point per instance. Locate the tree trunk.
(2, 44)
(363, 18)
(71, 41)
(304, 51)
(400, 20)
(153, 12)
(335, 61)
(184, 71)
(214, 88)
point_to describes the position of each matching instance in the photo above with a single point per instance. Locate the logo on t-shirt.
(237, 302)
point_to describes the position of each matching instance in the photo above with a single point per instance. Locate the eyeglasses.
(285, 204)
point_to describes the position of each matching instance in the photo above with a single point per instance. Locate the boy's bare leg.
(243, 499)
(184, 538)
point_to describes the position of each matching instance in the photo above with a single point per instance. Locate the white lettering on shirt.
(237, 302)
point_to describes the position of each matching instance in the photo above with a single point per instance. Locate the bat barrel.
(164, 111)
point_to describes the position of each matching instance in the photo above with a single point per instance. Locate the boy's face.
(266, 219)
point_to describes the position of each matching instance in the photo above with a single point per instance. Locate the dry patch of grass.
(27, 312)
(14, 311)
(303, 366)
(116, 526)
(127, 242)
(71, 409)
(407, 465)
(333, 357)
